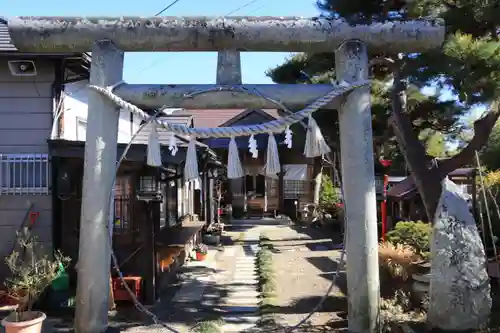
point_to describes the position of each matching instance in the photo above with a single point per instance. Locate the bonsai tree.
(32, 271)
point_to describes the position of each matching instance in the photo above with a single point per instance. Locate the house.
(43, 114)
(30, 89)
(256, 194)
(405, 202)
(154, 208)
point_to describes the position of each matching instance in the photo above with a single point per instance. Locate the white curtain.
(292, 172)
(295, 172)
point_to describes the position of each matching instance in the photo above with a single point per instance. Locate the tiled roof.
(215, 118)
(5, 41)
(163, 135)
(407, 186)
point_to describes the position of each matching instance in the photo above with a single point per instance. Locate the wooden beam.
(281, 34)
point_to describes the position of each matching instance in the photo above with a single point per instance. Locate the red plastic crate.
(119, 291)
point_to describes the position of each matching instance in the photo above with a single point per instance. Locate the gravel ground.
(305, 262)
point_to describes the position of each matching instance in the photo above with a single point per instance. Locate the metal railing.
(22, 174)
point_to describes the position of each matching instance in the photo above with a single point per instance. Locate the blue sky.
(186, 67)
(180, 68)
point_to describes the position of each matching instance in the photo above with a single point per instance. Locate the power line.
(244, 6)
(256, 9)
(154, 63)
(167, 8)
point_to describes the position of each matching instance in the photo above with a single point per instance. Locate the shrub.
(414, 234)
(31, 276)
(492, 186)
(329, 199)
(397, 260)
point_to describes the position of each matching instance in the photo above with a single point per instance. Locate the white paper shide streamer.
(154, 148)
(252, 146)
(315, 142)
(191, 166)
(288, 137)
(234, 168)
(273, 166)
(172, 144)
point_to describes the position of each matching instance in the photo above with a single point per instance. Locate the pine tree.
(468, 66)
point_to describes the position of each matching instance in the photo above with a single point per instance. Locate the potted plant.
(31, 274)
(201, 252)
(213, 233)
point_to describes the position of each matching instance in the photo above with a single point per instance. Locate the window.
(148, 184)
(123, 203)
(24, 174)
(81, 129)
(171, 202)
(296, 181)
(294, 189)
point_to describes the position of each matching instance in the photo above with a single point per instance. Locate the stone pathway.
(242, 302)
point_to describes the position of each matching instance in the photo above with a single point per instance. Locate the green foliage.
(328, 195)
(31, 274)
(414, 234)
(490, 155)
(468, 66)
(267, 277)
(435, 143)
(209, 326)
(492, 191)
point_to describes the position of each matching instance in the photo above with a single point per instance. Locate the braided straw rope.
(275, 126)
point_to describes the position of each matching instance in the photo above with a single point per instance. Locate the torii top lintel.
(294, 34)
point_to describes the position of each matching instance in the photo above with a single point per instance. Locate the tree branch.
(482, 130)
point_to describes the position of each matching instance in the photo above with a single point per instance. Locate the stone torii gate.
(109, 38)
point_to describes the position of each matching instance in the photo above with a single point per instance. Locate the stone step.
(240, 308)
(230, 328)
(245, 281)
(243, 293)
(241, 288)
(235, 319)
(243, 301)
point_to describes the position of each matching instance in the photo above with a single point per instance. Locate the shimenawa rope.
(149, 119)
(275, 126)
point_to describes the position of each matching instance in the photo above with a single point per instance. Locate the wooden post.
(357, 164)
(150, 229)
(281, 191)
(100, 161)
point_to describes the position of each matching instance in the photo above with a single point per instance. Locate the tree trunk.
(428, 173)
(426, 180)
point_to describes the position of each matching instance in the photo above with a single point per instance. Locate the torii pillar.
(94, 257)
(358, 182)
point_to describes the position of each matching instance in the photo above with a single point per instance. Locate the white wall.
(75, 115)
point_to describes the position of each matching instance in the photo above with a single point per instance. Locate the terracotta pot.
(200, 256)
(31, 322)
(420, 287)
